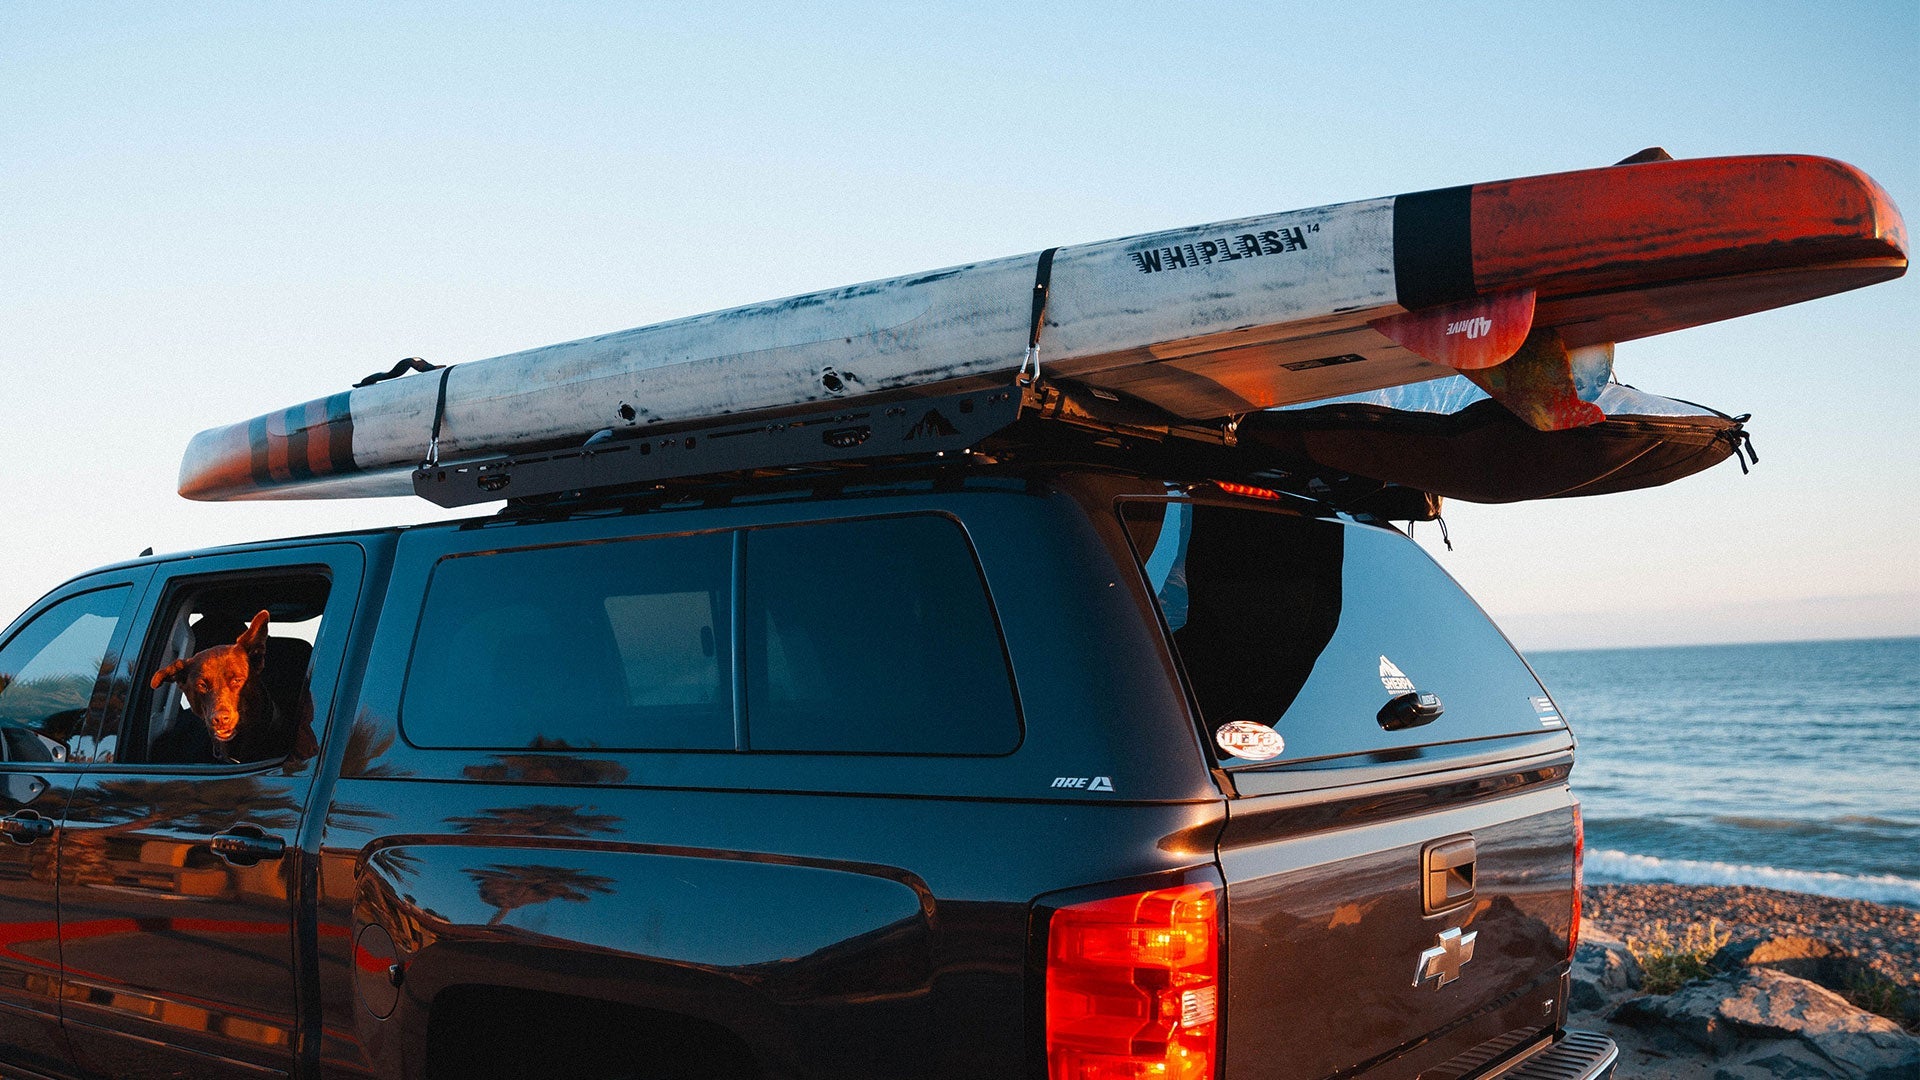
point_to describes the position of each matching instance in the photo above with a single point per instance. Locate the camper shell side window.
(865, 636)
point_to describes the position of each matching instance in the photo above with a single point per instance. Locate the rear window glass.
(1312, 627)
(617, 646)
(874, 636)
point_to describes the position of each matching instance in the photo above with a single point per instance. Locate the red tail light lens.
(1579, 878)
(1133, 986)
(1247, 491)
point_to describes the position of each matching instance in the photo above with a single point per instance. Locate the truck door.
(180, 859)
(56, 664)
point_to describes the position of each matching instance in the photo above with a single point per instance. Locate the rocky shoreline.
(1767, 1001)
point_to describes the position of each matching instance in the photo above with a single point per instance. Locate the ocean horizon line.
(1866, 638)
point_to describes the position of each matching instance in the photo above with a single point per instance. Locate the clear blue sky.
(210, 211)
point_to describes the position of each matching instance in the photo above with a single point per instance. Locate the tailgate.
(1399, 854)
(1336, 963)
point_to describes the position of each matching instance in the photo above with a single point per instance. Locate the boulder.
(1693, 1012)
(1731, 1013)
(1790, 1063)
(1604, 960)
(1603, 969)
(1807, 958)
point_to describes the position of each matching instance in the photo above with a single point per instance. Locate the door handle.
(1449, 873)
(245, 845)
(25, 826)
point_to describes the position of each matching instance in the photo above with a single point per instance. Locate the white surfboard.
(1205, 322)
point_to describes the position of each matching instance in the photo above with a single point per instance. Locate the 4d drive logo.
(1475, 329)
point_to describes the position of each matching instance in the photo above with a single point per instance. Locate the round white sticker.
(1249, 741)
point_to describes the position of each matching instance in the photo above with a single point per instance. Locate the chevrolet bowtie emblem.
(1450, 952)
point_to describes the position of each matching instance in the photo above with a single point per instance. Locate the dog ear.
(255, 639)
(169, 673)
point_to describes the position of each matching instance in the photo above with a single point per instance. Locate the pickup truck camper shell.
(854, 900)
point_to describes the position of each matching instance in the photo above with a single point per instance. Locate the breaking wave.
(1619, 867)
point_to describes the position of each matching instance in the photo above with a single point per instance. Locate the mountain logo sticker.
(1393, 678)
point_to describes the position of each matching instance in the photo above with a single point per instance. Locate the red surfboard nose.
(1664, 221)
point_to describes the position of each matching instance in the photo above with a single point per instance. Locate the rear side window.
(1312, 627)
(618, 646)
(874, 636)
(870, 636)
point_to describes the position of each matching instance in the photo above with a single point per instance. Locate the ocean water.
(1792, 765)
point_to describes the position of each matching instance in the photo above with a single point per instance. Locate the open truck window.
(225, 678)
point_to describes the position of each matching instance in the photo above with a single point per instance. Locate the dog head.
(215, 679)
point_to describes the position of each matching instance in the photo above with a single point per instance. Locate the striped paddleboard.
(1523, 285)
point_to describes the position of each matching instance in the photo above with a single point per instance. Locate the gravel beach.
(1885, 937)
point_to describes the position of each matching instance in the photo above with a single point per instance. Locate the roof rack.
(1045, 420)
(921, 427)
(899, 428)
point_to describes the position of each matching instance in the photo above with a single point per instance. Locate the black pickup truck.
(1028, 770)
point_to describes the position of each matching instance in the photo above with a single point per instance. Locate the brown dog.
(226, 687)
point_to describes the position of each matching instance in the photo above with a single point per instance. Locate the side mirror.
(1410, 710)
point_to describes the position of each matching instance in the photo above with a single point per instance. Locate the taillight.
(1133, 986)
(1247, 491)
(1579, 878)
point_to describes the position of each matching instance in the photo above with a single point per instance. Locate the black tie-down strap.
(439, 415)
(1042, 281)
(1737, 437)
(411, 363)
(415, 363)
(1741, 440)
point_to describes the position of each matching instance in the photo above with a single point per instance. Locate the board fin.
(1651, 153)
(1537, 385)
(1467, 336)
